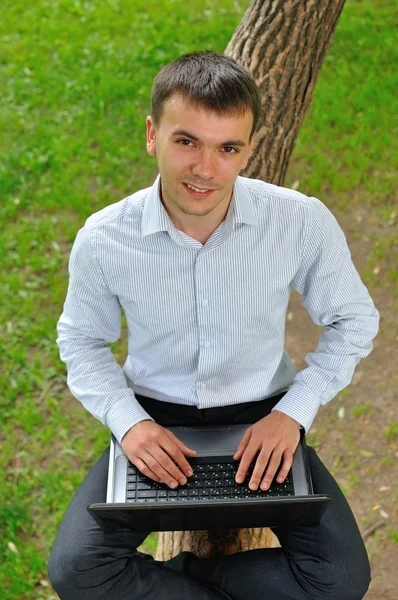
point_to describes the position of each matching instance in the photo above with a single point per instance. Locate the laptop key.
(144, 486)
(147, 494)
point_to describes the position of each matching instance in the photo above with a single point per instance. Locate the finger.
(165, 458)
(246, 460)
(176, 454)
(258, 471)
(156, 467)
(271, 469)
(286, 466)
(185, 449)
(242, 444)
(144, 469)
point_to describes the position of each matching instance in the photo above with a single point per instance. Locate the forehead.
(180, 113)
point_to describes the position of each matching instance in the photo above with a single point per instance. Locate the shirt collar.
(155, 217)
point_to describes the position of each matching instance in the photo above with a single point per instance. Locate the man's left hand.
(276, 436)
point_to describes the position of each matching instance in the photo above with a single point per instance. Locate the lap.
(337, 524)
(335, 542)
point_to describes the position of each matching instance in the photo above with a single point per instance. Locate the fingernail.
(253, 486)
(182, 481)
(264, 486)
(239, 479)
(189, 473)
(173, 484)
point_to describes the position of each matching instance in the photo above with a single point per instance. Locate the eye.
(183, 142)
(230, 148)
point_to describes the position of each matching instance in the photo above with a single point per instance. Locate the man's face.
(198, 147)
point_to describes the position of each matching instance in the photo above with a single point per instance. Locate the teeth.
(196, 189)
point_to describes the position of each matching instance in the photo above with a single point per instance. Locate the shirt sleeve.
(335, 297)
(91, 318)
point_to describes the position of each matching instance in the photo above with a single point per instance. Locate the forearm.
(331, 366)
(335, 297)
(98, 382)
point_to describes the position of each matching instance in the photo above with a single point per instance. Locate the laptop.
(211, 499)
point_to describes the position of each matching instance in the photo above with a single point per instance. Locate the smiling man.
(199, 156)
(202, 264)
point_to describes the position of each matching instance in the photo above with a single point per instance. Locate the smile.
(197, 192)
(195, 189)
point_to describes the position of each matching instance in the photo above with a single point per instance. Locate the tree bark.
(282, 43)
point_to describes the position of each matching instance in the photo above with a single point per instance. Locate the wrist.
(288, 418)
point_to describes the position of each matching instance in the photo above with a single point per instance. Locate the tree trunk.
(282, 43)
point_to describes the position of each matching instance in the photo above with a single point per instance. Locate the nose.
(204, 166)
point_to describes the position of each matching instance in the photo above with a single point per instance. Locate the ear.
(150, 137)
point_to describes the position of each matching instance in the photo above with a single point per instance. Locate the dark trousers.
(323, 561)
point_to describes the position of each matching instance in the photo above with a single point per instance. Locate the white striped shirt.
(206, 323)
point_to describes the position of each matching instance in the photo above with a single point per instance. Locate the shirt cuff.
(124, 415)
(300, 404)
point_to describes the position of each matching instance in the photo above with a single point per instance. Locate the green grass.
(361, 409)
(76, 79)
(391, 432)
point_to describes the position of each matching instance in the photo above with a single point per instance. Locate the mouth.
(197, 192)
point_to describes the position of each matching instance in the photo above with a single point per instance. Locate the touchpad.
(211, 440)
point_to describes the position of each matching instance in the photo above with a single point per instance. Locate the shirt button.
(205, 302)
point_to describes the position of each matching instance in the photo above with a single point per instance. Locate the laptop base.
(226, 514)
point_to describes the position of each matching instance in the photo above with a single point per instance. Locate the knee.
(351, 584)
(60, 574)
(67, 574)
(356, 578)
(54, 571)
(346, 579)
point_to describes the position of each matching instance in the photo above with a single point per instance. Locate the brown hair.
(207, 79)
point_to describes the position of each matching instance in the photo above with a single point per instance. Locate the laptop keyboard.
(213, 478)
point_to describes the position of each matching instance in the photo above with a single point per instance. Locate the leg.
(324, 561)
(89, 564)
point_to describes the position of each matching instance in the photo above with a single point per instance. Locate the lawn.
(75, 85)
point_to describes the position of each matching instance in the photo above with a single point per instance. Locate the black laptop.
(211, 498)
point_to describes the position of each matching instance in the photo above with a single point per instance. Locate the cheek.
(179, 162)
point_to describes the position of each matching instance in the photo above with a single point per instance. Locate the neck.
(200, 227)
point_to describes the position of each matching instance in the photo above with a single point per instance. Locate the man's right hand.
(152, 449)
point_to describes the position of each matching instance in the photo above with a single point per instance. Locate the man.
(202, 264)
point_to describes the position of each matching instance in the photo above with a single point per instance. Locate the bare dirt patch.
(351, 433)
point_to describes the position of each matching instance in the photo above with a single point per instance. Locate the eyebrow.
(193, 137)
